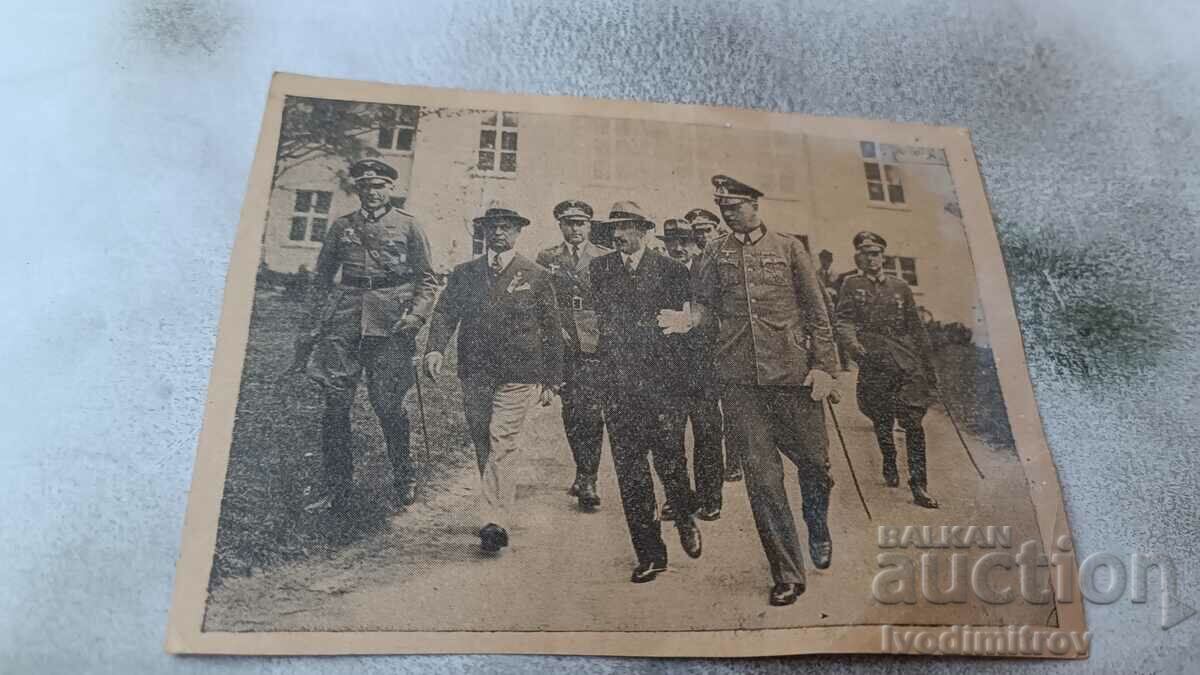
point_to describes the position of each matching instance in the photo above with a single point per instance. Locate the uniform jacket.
(573, 288)
(391, 246)
(878, 317)
(634, 353)
(770, 308)
(508, 327)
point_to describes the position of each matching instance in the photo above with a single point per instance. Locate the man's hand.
(676, 321)
(547, 395)
(433, 363)
(821, 383)
(409, 324)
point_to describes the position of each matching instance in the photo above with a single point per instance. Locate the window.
(899, 266)
(498, 142)
(883, 178)
(397, 127)
(310, 216)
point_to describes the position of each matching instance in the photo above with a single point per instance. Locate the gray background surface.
(128, 134)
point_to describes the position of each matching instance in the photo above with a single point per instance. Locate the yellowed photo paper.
(525, 374)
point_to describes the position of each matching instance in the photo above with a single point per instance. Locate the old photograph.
(528, 374)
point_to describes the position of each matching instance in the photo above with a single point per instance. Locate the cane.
(423, 470)
(845, 451)
(962, 440)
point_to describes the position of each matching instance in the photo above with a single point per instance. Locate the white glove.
(673, 321)
(821, 383)
(433, 363)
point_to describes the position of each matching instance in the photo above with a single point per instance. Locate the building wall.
(814, 187)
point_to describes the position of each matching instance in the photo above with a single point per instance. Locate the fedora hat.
(628, 212)
(499, 215)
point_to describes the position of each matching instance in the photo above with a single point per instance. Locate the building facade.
(455, 163)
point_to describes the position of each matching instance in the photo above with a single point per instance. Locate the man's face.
(501, 236)
(374, 193)
(740, 214)
(826, 261)
(869, 260)
(575, 231)
(628, 236)
(677, 248)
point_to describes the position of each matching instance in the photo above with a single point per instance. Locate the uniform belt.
(369, 282)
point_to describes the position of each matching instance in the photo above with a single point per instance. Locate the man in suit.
(510, 352)
(582, 415)
(707, 227)
(879, 327)
(701, 400)
(645, 373)
(363, 325)
(775, 354)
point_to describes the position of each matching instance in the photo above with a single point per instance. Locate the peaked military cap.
(497, 215)
(675, 228)
(628, 212)
(700, 218)
(368, 169)
(731, 189)
(864, 240)
(573, 209)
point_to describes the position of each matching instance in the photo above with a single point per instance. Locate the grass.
(275, 459)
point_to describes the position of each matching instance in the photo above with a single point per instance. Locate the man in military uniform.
(879, 327)
(363, 323)
(706, 224)
(582, 413)
(707, 227)
(775, 353)
(701, 402)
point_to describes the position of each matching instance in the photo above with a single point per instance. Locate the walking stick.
(960, 436)
(422, 473)
(845, 451)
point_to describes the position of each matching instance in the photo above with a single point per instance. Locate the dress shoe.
(709, 513)
(821, 552)
(689, 536)
(574, 489)
(785, 594)
(921, 498)
(492, 538)
(667, 513)
(733, 474)
(589, 498)
(646, 571)
(406, 493)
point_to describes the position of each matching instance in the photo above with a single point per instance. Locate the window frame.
(501, 130)
(396, 126)
(893, 265)
(309, 215)
(884, 173)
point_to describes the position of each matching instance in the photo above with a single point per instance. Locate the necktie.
(497, 267)
(746, 239)
(575, 253)
(629, 266)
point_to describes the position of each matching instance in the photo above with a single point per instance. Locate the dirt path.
(567, 570)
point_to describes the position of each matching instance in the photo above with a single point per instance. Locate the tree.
(312, 128)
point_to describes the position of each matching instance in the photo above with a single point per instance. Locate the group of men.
(730, 330)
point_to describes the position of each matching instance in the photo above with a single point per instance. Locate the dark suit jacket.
(508, 328)
(634, 352)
